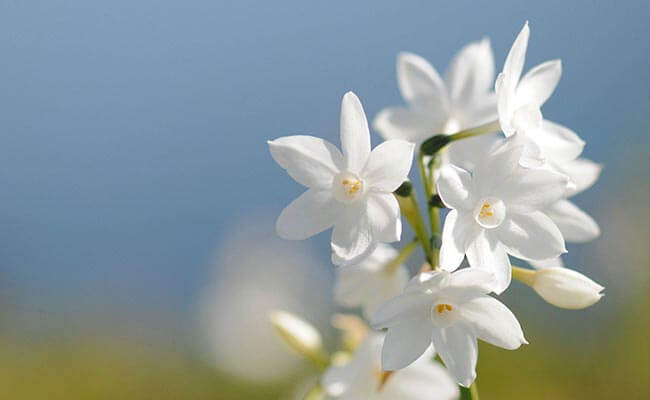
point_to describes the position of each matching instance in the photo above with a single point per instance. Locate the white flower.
(360, 378)
(451, 310)
(519, 103)
(368, 284)
(496, 212)
(464, 99)
(563, 287)
(352, 190)
(575, 224)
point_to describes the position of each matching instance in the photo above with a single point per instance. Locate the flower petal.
(501, 162)
(493, 322)
(458, 230)
(459, 351)
(487, 254)
(355, 136)
(412, 125)
(470, 73)
(420, 83)
(419, 379)
(383, 217)
(529, 190)
(538, 83)
(557, 142)
(311, 213)
(352, 237)
(311, 161)
(582, 172)
(531, 236)
(516, 58)
(549, 263)
(405, 343)
(575, 224)
(402, 309)
(454, 187)
(388, 165)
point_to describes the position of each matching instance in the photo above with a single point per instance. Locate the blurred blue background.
(133, 140)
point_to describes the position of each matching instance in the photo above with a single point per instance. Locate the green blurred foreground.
(607, 364)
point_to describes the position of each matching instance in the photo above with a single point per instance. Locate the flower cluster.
(503, 196)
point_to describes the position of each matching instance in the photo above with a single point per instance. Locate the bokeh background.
(137, 253)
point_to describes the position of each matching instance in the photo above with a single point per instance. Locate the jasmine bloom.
(496, 211)
(450, 310)
(350, 190)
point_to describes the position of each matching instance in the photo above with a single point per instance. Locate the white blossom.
(463, 99)
(496, 211)
(351, 191)
(450, 310)
(369, 284)
(360, 378)
(519, 102)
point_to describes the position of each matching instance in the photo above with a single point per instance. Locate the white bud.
(566, 288)
(299, 334)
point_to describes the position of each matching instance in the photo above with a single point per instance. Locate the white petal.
(411, 125)
(493, 322)
(481, 111)
(311, 213)
(419, 380)
(467, 153)
(557, 142)
(352, 237)
(487, 254)
(383, 217)
(516, 58)
(459, 351)
(472, 280)
(404, 308)
(458, 230)
(501, 162)
(388, 165)
(471, 73)
(575, 224)
(420, 83)
(355, 136)
(531, 236)
(582, 172)
(311, 161)
(549, 263)
(454, 187)
(538, 83)
(531, 189)
(405, 343)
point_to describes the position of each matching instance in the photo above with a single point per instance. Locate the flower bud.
(300, 335)
(566, 288)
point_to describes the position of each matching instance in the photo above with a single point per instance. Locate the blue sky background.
(132, 133)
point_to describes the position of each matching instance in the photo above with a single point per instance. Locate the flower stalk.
(408, 205)
(403, 255)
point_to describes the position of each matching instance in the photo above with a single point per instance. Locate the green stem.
(404, 254)
(429, 189)
(524, 275)
(478, 130)
(409, 206)
(470, 393)
(473, 391)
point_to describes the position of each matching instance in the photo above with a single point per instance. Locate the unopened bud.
(562, 287)
(300, 336)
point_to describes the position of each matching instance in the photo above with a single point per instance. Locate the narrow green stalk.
(429, 189)
(408, 204)
(470, 393)
(403, 255)
(524, 275)
(317, 393)
(478, 130)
